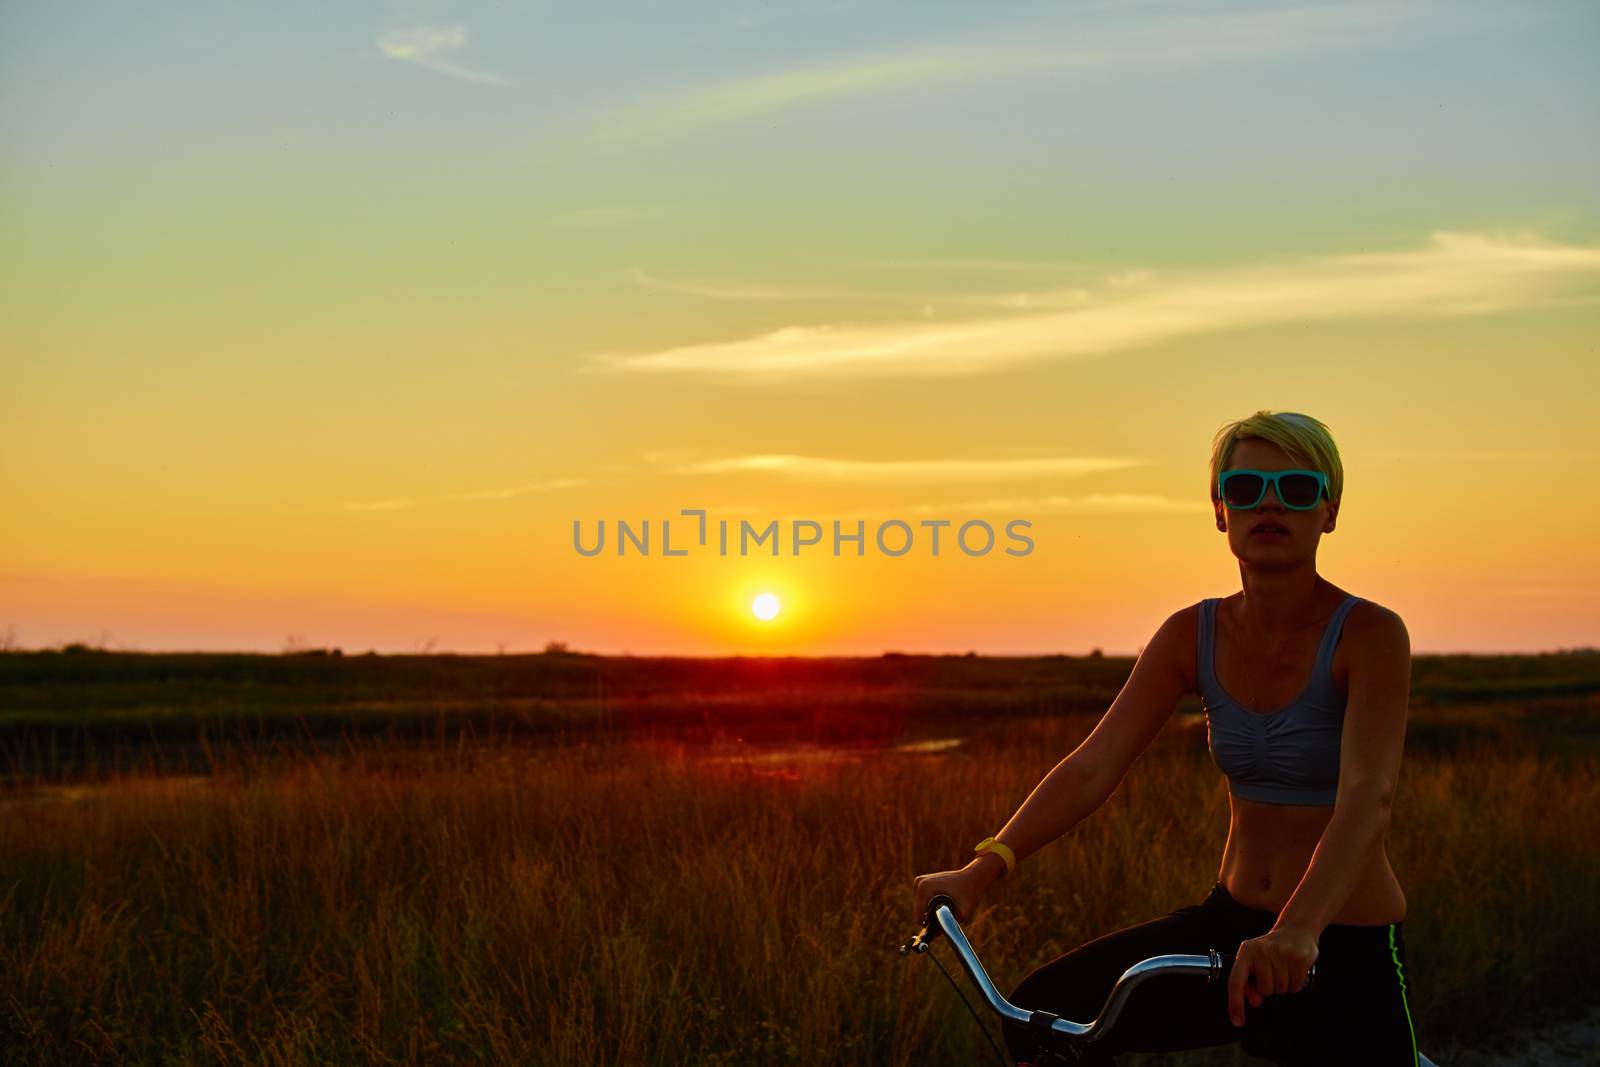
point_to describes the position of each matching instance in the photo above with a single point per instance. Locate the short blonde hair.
(1305, 440)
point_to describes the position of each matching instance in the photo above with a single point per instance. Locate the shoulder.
(1175, 642)
(1377, 681)
(1372, 629)
(1375, 642)
(1182, 625)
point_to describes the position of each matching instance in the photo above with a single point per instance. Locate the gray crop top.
(1288, 756)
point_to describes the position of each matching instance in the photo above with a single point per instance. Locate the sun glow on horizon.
(765, 607)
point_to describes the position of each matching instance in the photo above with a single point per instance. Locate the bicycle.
(1063, 1040)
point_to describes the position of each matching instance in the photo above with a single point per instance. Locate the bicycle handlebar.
(941, 918)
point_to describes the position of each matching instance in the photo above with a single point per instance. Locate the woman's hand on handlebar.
(1274, 963)
(964, 887)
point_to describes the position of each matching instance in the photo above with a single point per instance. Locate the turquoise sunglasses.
(1245, 489)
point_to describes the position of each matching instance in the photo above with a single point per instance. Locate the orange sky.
(328, 340)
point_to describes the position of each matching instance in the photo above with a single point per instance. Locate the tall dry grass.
(600, 904)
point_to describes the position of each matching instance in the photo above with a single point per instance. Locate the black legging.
(1356, 1012)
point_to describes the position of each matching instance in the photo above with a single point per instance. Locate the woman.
(1305, 690)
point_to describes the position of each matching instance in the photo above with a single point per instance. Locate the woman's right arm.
(1081, 782)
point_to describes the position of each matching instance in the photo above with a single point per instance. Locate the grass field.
(601, 891)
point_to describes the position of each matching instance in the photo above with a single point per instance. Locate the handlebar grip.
(1226, 969)
(938, 898)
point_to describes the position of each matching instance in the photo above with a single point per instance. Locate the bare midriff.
(1269, 849)
(1270, 845)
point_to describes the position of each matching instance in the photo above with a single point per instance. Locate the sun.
(765, 606)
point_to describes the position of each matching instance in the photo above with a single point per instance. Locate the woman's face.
(1304, 529)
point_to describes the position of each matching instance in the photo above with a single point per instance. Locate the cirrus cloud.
(906, 471)
(424, 45)
(1454, 274)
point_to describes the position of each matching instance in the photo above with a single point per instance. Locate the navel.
(1266, 883)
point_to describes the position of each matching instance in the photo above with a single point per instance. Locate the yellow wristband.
(999, 848)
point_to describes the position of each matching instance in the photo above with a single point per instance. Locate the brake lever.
(930, 930)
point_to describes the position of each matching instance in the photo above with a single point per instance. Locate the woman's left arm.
(1369, 763)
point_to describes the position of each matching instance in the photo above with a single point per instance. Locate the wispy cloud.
(1021, 507)
(405, 502)
(426, 45)
(671, 113)
(745, 291)
(1051, 504)
(1134, 35)
(908, 471)
(926, 301)
(955, 263)
(1089, 503)
(1471, 455)
(1453, 274)
(1557, 592)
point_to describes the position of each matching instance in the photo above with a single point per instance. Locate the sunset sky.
(321, 324)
